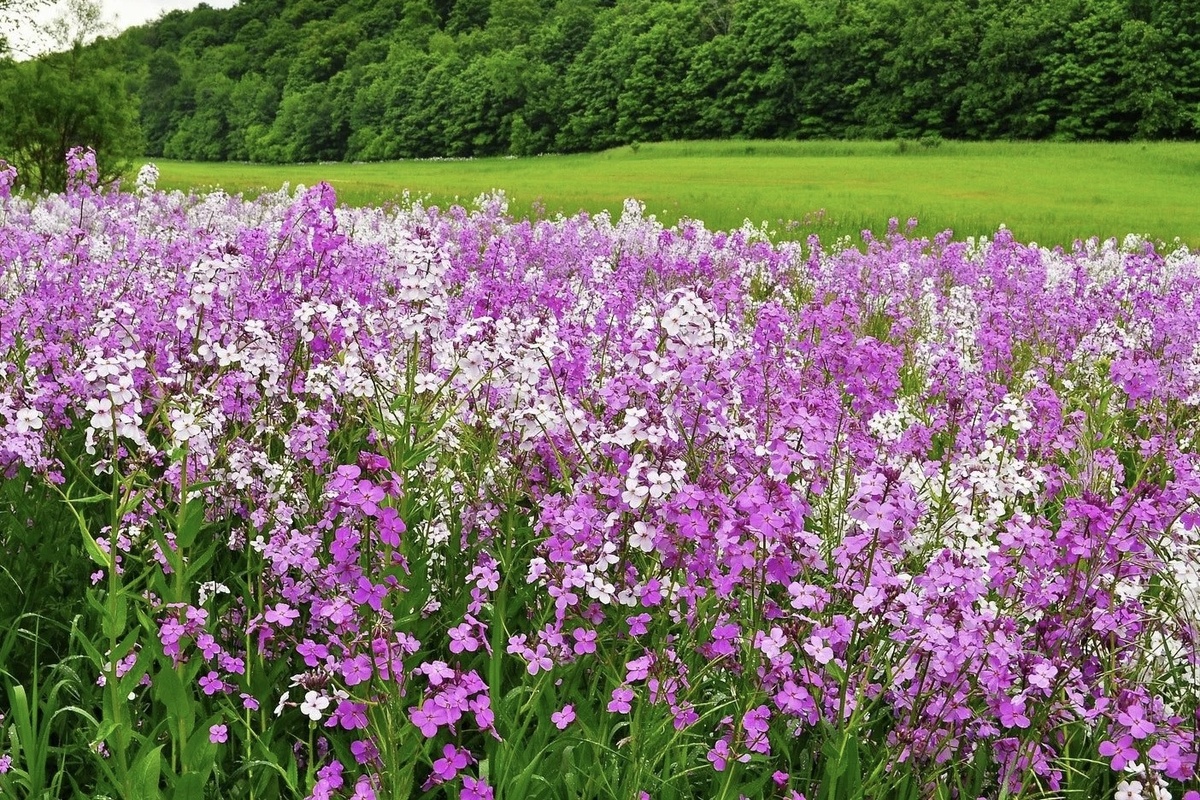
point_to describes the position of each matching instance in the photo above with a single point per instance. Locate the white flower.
(147, 179)
(102, 416)
(183, 427)
(28, 419)
(211, 588)
(427, 383)
(642, 537)
(1128, 790)
(314, 705)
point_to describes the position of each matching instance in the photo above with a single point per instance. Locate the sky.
(119, 14)
(127, 13)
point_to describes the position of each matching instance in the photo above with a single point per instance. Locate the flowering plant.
(366, 503)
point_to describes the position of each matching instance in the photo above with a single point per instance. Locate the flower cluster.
(938, 497)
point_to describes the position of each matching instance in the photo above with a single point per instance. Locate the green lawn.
(1051, 193)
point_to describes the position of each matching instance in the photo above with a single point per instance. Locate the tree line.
(310, 80)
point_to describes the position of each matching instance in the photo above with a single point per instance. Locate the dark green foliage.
(54, 103)
(285, 80)
(77, 97)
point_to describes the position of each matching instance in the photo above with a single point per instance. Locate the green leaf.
(116, 614)
(146, 774)
(190, 786)
(831, 749)
(170, 691)
(198, 563)
(191, 520)
(853, 772)
(89, 542)
(200, 753)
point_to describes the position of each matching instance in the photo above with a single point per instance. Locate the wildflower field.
(311, 501)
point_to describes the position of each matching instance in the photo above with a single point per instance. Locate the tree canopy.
(306, 80)
(78, 96)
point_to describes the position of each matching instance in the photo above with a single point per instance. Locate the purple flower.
(211, 683)
(1121, 752)
(481, 707)
(1134, 718)
(350, 715)
(539, 660)
(331, 775)
(473, 789)
(364, 751)
(621, 698)
(585, 641)
(370, 594)
(462, 638)
(281, 614)
(755, 720)
(719, 755)
(218, 734)
(363, 790)
(1012, 712)
(563, 717)
(424, 721)
(1168, 758)
(356, 670)
(448, 766)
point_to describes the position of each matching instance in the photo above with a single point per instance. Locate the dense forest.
(307, 80)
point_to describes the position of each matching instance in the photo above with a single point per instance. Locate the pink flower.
(620, 703)
(476, 789)
(448, 766)
(218, 734)
(281, 614)
(563, 717)
(1122, 752)
(585, 641)
(1134, 718)
(719, 755)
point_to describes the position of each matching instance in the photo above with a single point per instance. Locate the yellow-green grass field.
(1050, 193)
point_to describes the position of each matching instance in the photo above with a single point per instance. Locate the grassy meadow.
(1050, 193)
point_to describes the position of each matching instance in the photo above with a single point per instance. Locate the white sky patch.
(25, 40)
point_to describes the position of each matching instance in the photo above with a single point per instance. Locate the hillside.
(309, 80)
